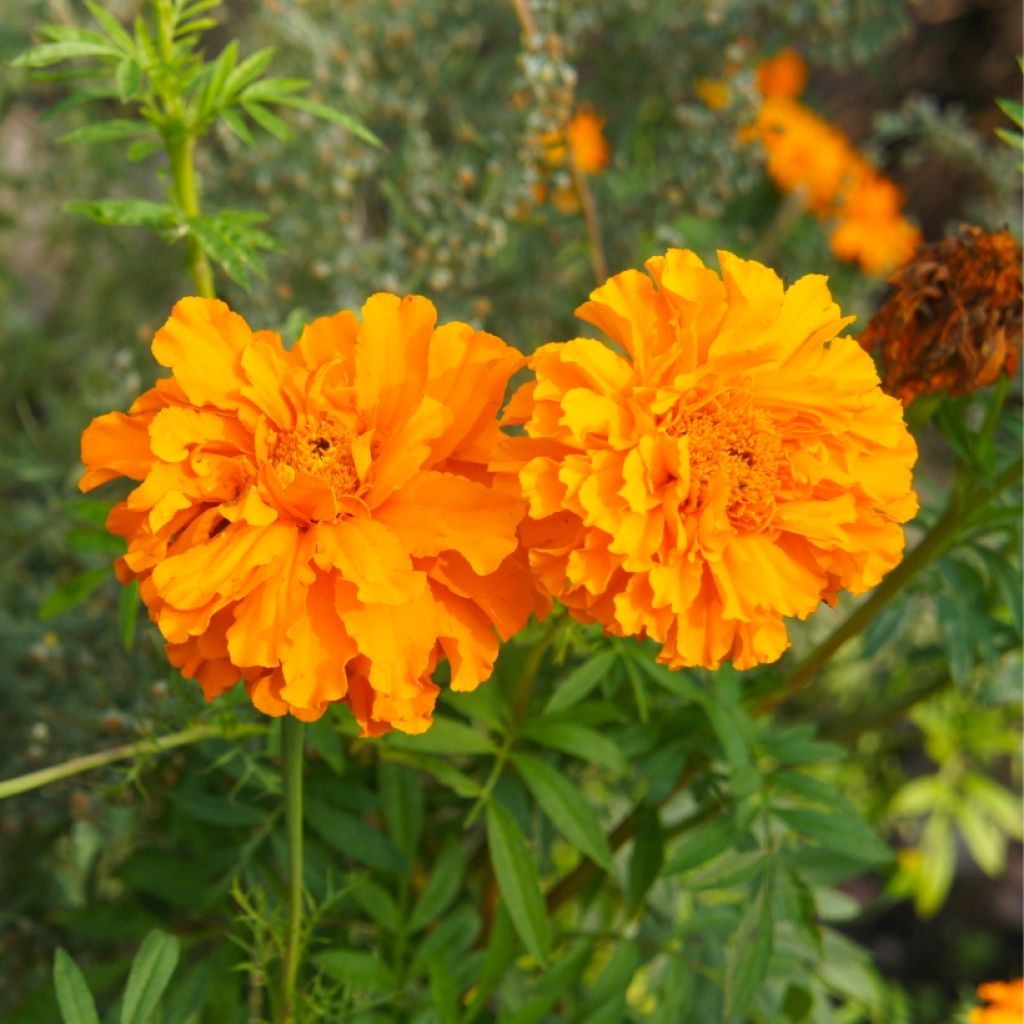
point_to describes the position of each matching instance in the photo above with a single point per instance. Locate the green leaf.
(983, 837)
(128, 613)
(53, 53)
(73, 995)
(750, 952)
(1013, 110)
(842, 833)
(150, 973)
(647, 857)
(402, 806)
(442, 885)
(214, 809)
(326, 113)
(444, 993)
(999, 803)
(703, 844)
(129, 79)
(125, 212)
(108, 131)
(577, 741)
(728, 723)
(560, 800)
(938, 864)
(580, 681)
(797, 745)
(353, 837)
(237, 124)
(250, 69)
(458, 782)
(518, 882)
(324, 739)
(268, 121)
(445, 736)
(919, 796)
(274, 90)
(213, 94)
(501, 950)
(361, 972)
(378, 903)
(74, 591)
(116, 33)
(222, 241)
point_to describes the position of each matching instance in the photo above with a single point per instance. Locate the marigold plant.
(1005, 1001)
(953, 322)
(320, 521)
(738, 466)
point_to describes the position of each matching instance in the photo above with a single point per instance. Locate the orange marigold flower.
(1006, 1003)
(953, 321)
(590, 149)
(783, 76)
(713, 93)
(320, 522)
(806, 154)
(739, 465)
(871, 229)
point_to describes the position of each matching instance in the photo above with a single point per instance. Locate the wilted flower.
(1006, 1003)
(871, 230)
(739, 465)
(320, 522)
(953, 320)
(782, 76)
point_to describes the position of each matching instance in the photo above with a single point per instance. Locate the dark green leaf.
(446, 736)
(444, 993)
(501, 950)
(845, 834)
(797, 745)
(324, 739)
(378, 903)
(74, 591)
(576, 740)
(150, 973)
(361, 972)
(750, 952)
(216, 810)
(518, 882)
(76, 1002)
(402, 798)
(561, 802)
(580, 681)
(442, 885)
(128, 613)
(353, 837)
(647, 856)
(704, 843)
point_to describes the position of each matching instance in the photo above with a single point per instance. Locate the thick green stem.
(293, 735)
(127, 751)
(934, 543)
(181, 153)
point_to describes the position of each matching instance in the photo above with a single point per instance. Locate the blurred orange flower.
(739, 465)
(1006, 1003)
(871, 230)
(713, 93)
(953, 321)
(320, 521)
(783, 76)
(590, 153)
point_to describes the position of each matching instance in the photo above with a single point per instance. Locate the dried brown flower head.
(953, 320)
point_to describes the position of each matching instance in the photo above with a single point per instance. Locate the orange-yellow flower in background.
(713, 93)
(954, 320)
(738, 466)
(782, 76)
(584, 139)
(871, 230)
(1006, 1003)
(320, 522)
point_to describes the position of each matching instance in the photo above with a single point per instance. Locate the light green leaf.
(73, 995)
(273, 90)
(227, 246)
(115, 32)
(444, 993)
(999, 803)
(518, 882)
(326, 113)
(250, 69)
(53, 53)
(577, 741)
(129, 79)
(237, 124)
(442, 885)
(919, 796)
(580, 681)
(561, 802)
(843, 833)
(150, 973)
(938, 863)
(108, 131)
(705, 843)
(647, 857)
(1013, 110)
(268, 121)
(125, 212)
(983, 837)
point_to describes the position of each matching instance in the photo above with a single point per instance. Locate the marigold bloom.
(320, 522)
(590, 154)
(783, 76)
(740, 464)
(953, 321)
(713, 93)
(871, 230)
(1006, 1003)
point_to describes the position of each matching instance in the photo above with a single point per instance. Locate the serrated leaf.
(580, 681)
(442, 885)
(326, 113)
(576, 740)
(213, 93)
(560, 800)
(125, 212)
(45, 54)
(73, 995)
(843, 833)
(74, 591)
(221, 244)
(150, 973)
(518, 882)
(108, 131)
(750, 952)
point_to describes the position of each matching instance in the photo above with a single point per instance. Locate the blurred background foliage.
(716, 825)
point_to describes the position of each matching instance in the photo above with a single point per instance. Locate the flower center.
(322, 450)
(735, 447)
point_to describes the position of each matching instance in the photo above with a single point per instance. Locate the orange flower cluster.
(738, 466)
(1006, 1003)
(321, 521)
(810, 156)
(584, 140)
(953, 322)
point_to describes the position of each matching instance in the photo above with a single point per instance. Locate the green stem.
(153, 745)
(293, 735)
(935, 542)
(181, 154)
